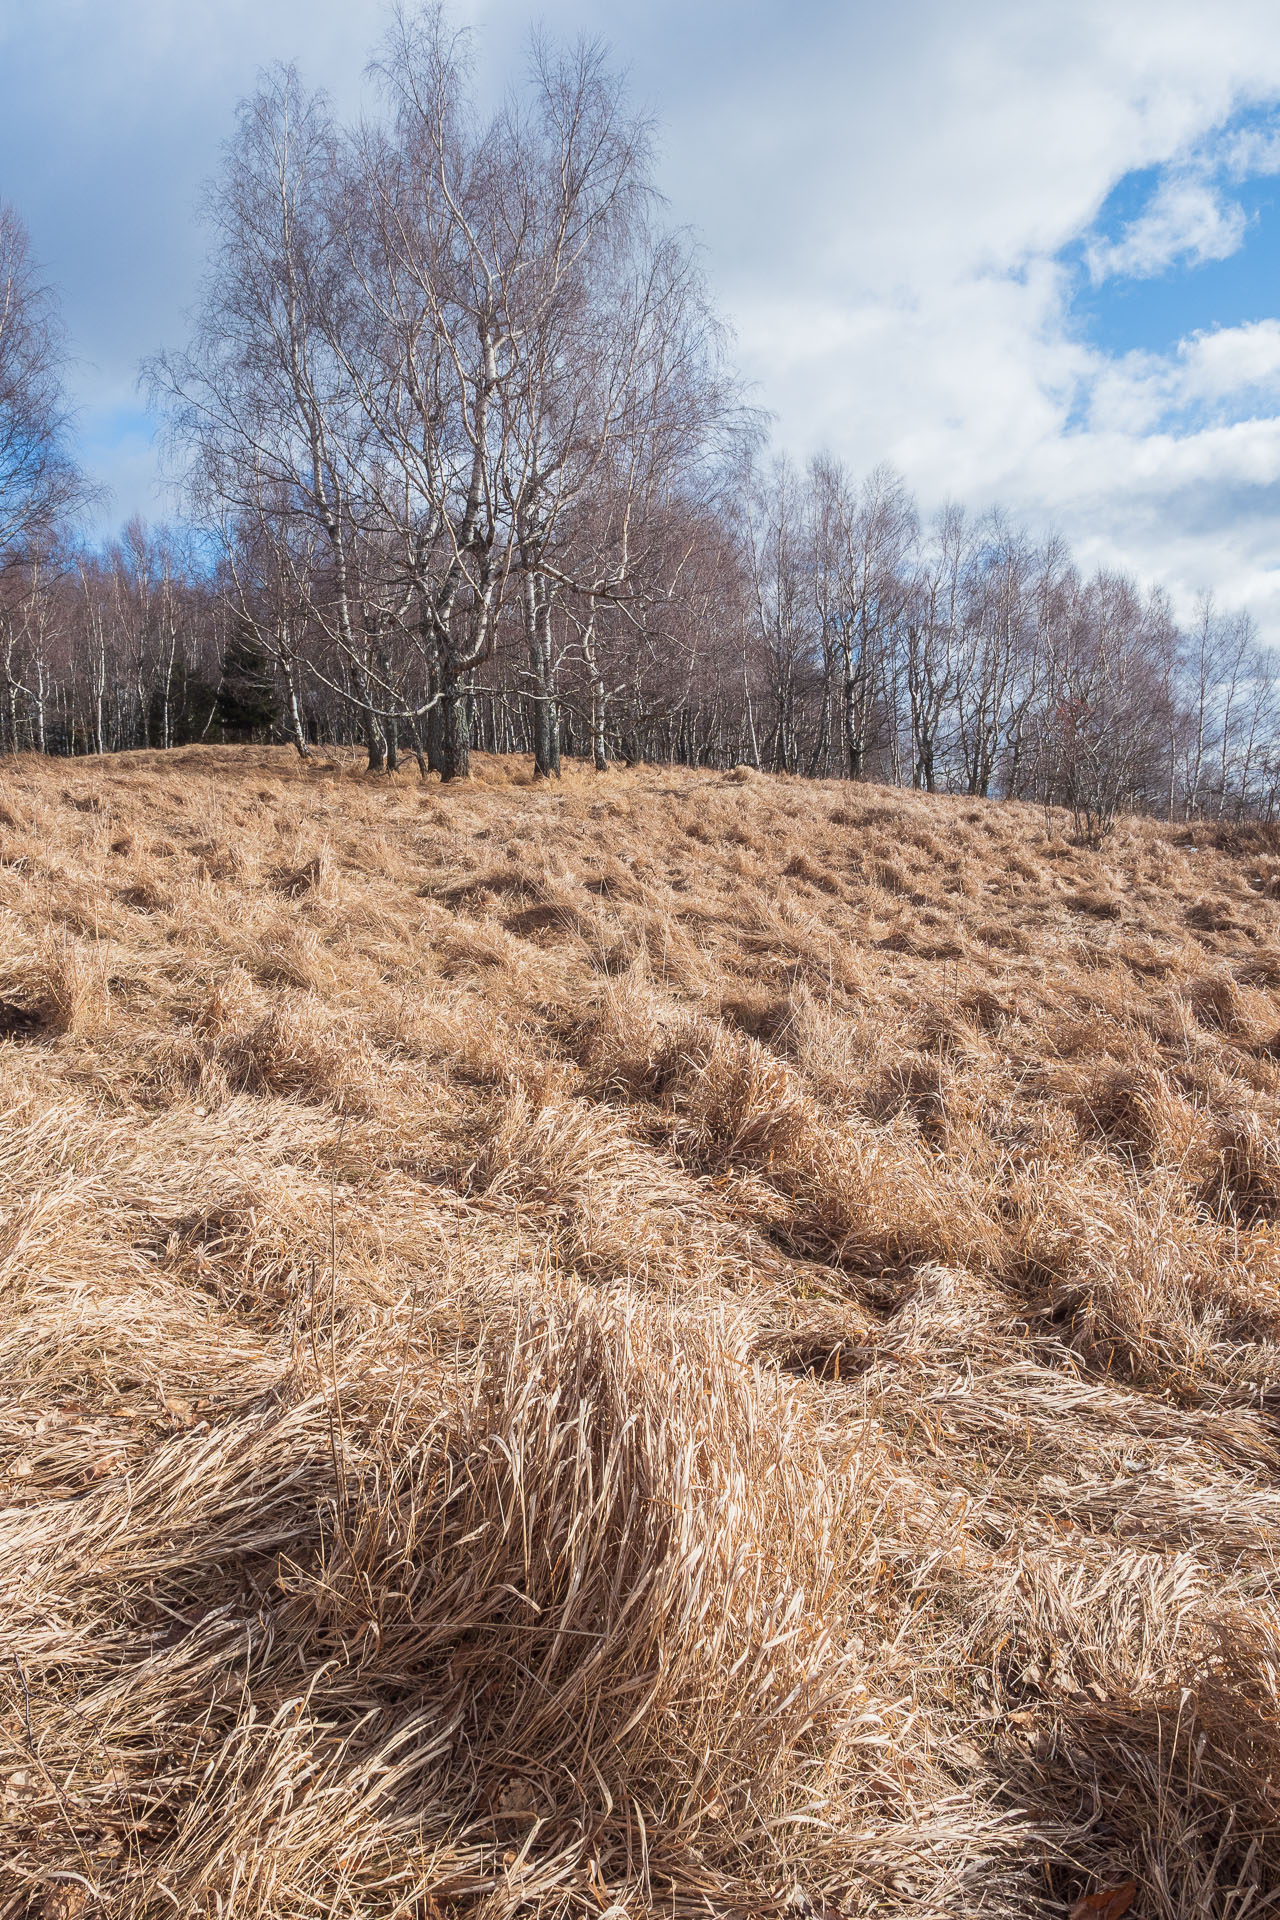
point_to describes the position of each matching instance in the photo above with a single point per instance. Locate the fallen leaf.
(1107, 1904)
(516, 1799)
(64, 1903)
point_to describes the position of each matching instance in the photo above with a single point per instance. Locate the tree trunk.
(853, 729)
(546, 715)
(297, 730)
(374, 738)
(598, 755)
(449, 732)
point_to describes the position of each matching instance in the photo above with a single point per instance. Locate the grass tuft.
(688, 1345)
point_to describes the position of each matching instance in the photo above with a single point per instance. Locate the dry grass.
(678, 1344)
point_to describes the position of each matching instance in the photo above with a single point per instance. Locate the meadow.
(669, 1343)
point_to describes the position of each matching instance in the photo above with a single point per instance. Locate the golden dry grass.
(679, 1343)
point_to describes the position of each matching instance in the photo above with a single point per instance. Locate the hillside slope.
(676, 1342)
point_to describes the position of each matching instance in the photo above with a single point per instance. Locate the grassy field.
(678, 1343)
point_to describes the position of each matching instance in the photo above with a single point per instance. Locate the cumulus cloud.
(1187, 222)
(1190, 219)
(1233, 361)
(1245, 152)
(1221, 377)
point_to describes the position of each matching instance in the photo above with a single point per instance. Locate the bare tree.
(864, 539)
(39, 481)
(932, 644)
(1109, 692)
(462, 444)
(263, 403)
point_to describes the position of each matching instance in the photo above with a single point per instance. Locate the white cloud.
(1246, 153)
(883, 193)
(1189, 219)
(1220, 377)
(1187, 222)
(895, 276)
(1233, 361)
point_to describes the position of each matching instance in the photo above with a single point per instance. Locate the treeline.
(466, 468)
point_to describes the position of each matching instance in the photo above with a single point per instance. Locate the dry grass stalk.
(686, 1343)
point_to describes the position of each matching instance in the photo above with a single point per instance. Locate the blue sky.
(1152, 311)
(1028, 253)
(1184, 247)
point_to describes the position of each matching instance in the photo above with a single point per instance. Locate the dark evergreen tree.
(248, 707)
